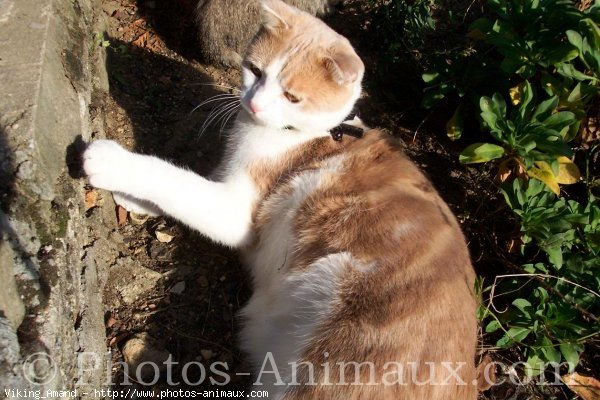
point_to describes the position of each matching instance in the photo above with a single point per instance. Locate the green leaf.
(549, 352)
(570, 352)
(562, 53)
(511, 65)
(454, 126)
(431, 98)
(493, 110)
(560, 120)
(429, 77)
(479, 28)
(555, 255)
(534, 364)
(493, 326)
(592, 32)
(575, 39)
(480, 152)
(515, 334)
(524, 306)
(580, 92)
(526, 98)
(569, 70)
(545, 108)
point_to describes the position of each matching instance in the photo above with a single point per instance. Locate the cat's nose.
(254, 107)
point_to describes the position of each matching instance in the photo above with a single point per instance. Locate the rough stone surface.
(10, 301)
(131, 290)
(54, 260)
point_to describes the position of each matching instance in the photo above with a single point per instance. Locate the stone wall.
(53, 261)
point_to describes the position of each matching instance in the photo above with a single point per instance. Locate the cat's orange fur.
(415, 303)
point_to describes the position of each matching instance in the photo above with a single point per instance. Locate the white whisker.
(216, 85)
(228, 116)
(216, 113)
(222, 96)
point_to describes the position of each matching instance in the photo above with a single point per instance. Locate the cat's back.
(354, 245)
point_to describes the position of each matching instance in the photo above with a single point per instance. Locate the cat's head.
(298, 72)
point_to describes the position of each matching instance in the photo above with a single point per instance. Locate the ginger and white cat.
(363, 286)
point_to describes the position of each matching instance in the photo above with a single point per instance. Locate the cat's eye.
(255, 70)
(291, 98)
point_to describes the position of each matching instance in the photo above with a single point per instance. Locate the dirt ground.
(157, 80)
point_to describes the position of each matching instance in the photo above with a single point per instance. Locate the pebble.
(138, 219)
(144, 348)
(178, 288)
(164, 237)
(132, 280)
(207, 354)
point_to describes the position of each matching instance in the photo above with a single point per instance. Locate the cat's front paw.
(107, 165)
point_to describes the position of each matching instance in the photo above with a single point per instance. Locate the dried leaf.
(138, 219)
(141, 40)
(514, 245)
(516, 93)
(486, 373)
(589, 130)
(164, 237)
(504, 171)
(585, 387)
(118, 339)
(509, 169)
(91, 199)
(121, 216)
(111, 321)
(568, 173)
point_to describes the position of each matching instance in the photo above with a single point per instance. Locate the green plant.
(402, 27)
(566, 231)
(529, 35)
(541, 41)
(531, 76)
(532, 131)
(558, 315)
(587, 43)
(100, 41)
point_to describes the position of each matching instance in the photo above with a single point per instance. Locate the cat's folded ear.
(277, 14)
(344, 65)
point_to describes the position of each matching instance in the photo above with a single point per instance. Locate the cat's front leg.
(220, 210)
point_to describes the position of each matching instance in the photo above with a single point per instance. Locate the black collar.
(346, 129)
(339, 131)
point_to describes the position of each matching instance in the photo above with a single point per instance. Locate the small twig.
(468, 9)
(421, 124)
(539, 278)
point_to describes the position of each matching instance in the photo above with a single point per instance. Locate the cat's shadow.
(174, 22)
(150, 109)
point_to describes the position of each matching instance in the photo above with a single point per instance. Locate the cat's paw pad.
(106, 164)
